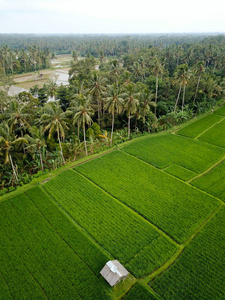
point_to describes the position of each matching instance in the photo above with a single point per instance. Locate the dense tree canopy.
(125, 85)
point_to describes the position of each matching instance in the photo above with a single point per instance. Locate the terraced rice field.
(213, 182)
(215, 135)
(38, 258)
(168, 203)
(162, 151)
(199, 272)
(110, 223)
(196, 128)
(180, 172)
(220, 111)
(156, 205)
(140, 292)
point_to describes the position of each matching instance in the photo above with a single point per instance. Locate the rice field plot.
(164, 150)
(213, 182)
(196, 128)
(116, 228)
(171, 205)
(139, 292)
(82, 245)
(180, 172)
(220, 111)
(215, 135)
(36, 263)
(199, 273)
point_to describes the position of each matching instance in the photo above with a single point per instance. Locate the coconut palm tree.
(36, 141)
(115, 70)
(7, 143)
(157, 69)
(146, 98)
(55, 120)
(114, 103)
(16, 116)
(83, 116)
(52, 88)
(96, 89)
(199, 70)
(131, 102)
(182, 77)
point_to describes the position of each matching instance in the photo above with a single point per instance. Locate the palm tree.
(78, 95)
(179, 53)
(36, 141)
(131, 102)
(16, 116)
(83, 116)
(7, 142)
(115, 70)
(137, 70)
(182, 77)
(126, 77)
(55, 120)
(157, 70)
(114, 103)
(96, 89)
(52, 88)
(145, 102)
(199, 70)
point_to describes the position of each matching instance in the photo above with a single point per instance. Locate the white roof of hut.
(113, 272)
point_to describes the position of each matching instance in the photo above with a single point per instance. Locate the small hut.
(114, 272)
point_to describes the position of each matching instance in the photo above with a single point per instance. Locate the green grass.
(113, 226)
(213, 182)
(220, 111)
(180, 172)
(139, 292)
(176, 208)
(196, 128)
(36, 262)
(215, 135)
(199, 273)
(162, 151)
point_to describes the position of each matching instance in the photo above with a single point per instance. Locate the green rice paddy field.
(156, 205)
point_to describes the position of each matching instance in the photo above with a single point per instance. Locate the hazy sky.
(115, 16)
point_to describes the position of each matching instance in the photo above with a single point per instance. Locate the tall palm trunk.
(78, 131)
(183, 99)
(156, 91)
(113, 117)
(196, 89)
(13, 168)
(60, 147)
(178, 96)
(85, 144)
(99, 109)
(41, 160)
(129, 125)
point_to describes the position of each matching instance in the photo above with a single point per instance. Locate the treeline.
(106, 102)
(20, 61)
(111, 45)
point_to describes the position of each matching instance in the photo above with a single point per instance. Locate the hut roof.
(113, 272)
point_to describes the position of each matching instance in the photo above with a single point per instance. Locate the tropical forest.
(112, 147)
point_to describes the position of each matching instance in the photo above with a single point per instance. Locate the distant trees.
(32, 59)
